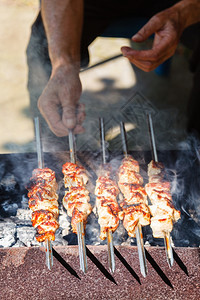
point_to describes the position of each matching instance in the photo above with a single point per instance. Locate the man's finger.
(80, 113)
(156, 53)
(53, 118)
(147, 66)
(147, 30)
(69, 116)
(151, 54)
(79, 129)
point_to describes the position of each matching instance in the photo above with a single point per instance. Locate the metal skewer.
(39, 143)
(111, 256)
(80, 226)
(48, 244)
(167, 238)
(138, 230)
(71, 147)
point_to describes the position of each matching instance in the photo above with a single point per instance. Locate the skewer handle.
(141, 251)
(48, 244)
(167, 239)
(49, 254)
(81, 247)
(80, 226)
(72, 147)
(103, 144)
(124, 139)
(111, 256)
(138, 230)
(39, 143)
(168, 249)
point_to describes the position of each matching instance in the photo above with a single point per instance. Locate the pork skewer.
(80, 226)
(106, 192)
(71, 147)
(39, 143)
(167, 240)
(158, 191)
(132, 191)
(48, 244)
(76, 200)
(111, 257)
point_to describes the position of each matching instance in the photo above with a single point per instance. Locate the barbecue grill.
(25, 266)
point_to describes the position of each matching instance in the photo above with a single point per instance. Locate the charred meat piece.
(162, 208)
(106, 187)
(133, 193)
(107, 207)
(134, 207)
(129, 172)
(76, 199)
(160, 226)
(43, 201)
(134, 214)
(74, 175)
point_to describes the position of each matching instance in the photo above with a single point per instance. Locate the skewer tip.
(49, 254)
(168, 249)
(141, 250)
(81, 247)
(111, 257)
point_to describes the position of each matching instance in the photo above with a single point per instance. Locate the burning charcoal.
(9, 208)
(92, 234)
(59, 239)
(127, 242)
(192, 213)
(7, 234)
(18, 244)
(24, 202)
(26, 235)
(23, 214)
(64, 223)
(2, 169)
(120, 235)
(133, 241)
(8, 185)
(9, 196)
(149, 238)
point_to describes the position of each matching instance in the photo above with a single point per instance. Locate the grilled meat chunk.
(76, 199)
(106, 187)
(134, 206)
(43, 202)
(74, 175)
(133, 192)
(134, 214)
(162, 208)
(106, 201)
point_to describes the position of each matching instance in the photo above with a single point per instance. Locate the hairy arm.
(59, 101)
(167, 27)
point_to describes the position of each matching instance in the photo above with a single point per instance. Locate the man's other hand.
(167, 28)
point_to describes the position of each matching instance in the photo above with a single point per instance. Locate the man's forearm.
(63, 25)
(189, 12)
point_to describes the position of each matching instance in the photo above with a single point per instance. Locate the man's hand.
(59, 102)
(167, 27)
